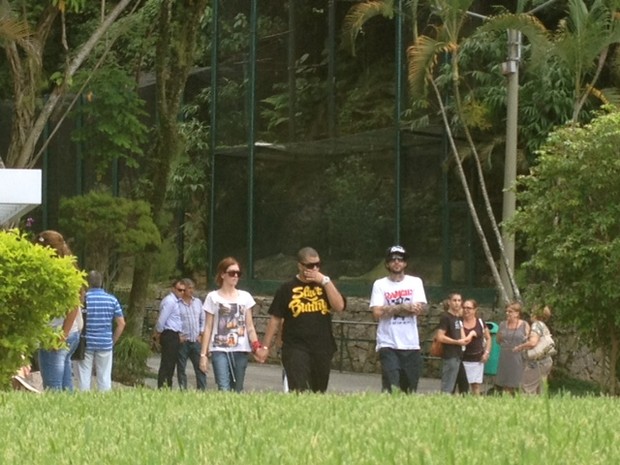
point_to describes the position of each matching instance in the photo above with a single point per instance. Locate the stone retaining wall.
(355, 332)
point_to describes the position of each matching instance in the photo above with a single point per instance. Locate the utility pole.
(510, 69)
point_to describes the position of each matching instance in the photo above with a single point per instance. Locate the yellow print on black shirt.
(306, 299)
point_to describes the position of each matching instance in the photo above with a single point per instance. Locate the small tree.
(27, 73)
(109, 125)
(570, 218)
(37, 286)
(104, 226)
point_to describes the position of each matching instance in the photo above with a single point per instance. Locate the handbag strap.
(84, 318)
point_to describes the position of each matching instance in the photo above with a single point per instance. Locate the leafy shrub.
(105, 226)
(130, 356)
(37, 286)
(561, 382)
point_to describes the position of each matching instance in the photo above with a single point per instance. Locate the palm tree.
(362, 12)
(581, 43)
(423, 56)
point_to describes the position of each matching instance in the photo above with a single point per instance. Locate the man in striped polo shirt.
(102, 311)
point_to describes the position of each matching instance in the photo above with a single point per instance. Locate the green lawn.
(152, 427)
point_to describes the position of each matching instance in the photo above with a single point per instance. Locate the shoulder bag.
(80, 350)
(545, 348)
(436, 348)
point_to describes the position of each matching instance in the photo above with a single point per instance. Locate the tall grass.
(142, 426)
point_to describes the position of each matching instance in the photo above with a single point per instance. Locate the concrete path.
(269, 378)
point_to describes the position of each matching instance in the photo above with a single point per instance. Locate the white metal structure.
(20, 192)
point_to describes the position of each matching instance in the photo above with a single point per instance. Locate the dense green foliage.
(356, 211)
(37, 286)
(104, 227)
(108, 120)
(130, 356)
(154, 427)
(570, 221)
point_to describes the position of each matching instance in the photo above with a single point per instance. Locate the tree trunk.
(470, 202)
(499, 241)
(138, 296)
(613, 359)
(179, 23)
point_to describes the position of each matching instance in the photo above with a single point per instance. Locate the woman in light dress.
(536, 371)
(512, 332)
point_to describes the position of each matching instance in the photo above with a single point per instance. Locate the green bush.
(560, 382)
(104, 227)
(37, 286)
(130, 356)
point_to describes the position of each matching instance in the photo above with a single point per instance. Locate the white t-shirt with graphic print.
(398, 332)
(229, 332)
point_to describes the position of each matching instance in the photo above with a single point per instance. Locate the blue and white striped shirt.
(101, 310)
(193, 319)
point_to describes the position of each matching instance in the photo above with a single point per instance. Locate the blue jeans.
(190, 350)
(400, 369)
(55, 365)
(449, 372)
(229, 369)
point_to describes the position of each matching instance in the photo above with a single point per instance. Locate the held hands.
(261, 355)
(204, 364)
(466, 340)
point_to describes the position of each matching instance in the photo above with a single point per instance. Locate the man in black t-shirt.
(450, 333)
(305, 305)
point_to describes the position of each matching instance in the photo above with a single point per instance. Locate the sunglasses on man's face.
(311, 265)
(180, 289)
(234, 273)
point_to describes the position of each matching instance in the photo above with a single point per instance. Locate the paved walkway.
(269, 378)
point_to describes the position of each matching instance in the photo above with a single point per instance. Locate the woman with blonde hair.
(229, 335)
(55, 365)
(512, 332)
(536, 371)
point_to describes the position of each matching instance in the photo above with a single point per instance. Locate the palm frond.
(359, 14)
(422, 58)
(530, 26)
(10, 27)
(586, 32)
(453, 14)
(584, 37)
(609, 96)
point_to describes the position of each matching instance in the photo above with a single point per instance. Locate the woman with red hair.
(229, 335)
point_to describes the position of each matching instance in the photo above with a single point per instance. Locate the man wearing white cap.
(395, 302)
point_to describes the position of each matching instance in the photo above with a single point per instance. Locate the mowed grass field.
(141, 426)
